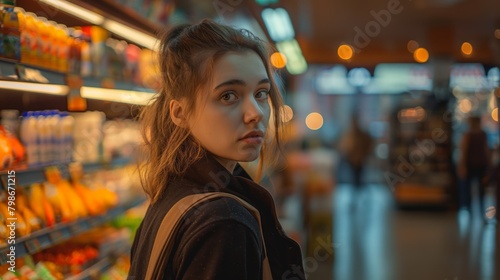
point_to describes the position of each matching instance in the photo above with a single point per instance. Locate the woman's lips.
(253, 140)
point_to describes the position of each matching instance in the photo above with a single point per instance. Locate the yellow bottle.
(25, 38)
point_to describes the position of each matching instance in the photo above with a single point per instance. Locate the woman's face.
(233, 111)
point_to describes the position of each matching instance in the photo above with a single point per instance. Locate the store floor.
(374, 241)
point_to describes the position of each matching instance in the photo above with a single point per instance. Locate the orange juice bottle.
(33, 38)
(44, 47)
(21, 15)
(63, 42)
(53, 46)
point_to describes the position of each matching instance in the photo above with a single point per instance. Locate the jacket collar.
(208, 175)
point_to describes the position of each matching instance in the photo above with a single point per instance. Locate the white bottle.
(43, 136)
(67, 122)
(29, 138)
(52, 128)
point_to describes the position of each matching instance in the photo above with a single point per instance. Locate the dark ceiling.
(438, 25)
(322, 25)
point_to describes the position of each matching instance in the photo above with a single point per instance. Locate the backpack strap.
(162, 245)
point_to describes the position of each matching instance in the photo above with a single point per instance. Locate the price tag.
(75, 101)
(3, 256)
(95, 222)
(33, 245)
(78, 228)
(108, 83)
(56, 236)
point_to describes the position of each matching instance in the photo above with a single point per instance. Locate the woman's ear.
(178, 113)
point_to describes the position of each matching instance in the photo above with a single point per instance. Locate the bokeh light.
(465, 106)
(278, 60)
(345, 52)
(314, 121)
(421, 55)
(466, 48)
(497, 33)
(412, 46)
(286, 114)
(494, 114)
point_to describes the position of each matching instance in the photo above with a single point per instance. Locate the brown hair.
(187, 54)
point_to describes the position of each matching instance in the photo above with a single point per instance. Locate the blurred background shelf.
(48, 237)
(27, 175)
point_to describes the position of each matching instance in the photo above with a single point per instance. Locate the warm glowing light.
(115, 27)
(465, 106)
(76, 10)
(123, 96)
(466, 48)
(131, 34)
(411, 115)
(314, 121)
(35, 87)
(345, 52)
(278, 60)
(286, 114)
(421, 55)
(497, 33)
(412, 46)
(494, 114)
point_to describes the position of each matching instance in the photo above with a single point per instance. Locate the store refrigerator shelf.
(25, 176)
(48, 237)
(16, 76)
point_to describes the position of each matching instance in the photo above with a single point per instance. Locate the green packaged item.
(11, 35)
(43, 272)
(8, 3)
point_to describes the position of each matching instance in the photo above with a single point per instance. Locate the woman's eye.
(228, 97)
(263, 94)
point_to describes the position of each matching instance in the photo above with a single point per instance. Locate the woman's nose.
(253, 111)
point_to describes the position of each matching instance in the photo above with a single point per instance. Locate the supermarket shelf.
(28, 175)
(101, 265)
(96, 269)
(48, 237)
(16, 76)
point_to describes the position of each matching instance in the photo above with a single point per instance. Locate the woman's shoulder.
(219, 210)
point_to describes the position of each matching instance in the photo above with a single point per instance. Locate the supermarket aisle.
(374, 241)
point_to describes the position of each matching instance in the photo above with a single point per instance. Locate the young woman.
(217, 96)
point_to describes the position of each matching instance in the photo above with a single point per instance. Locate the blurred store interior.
(378, 97)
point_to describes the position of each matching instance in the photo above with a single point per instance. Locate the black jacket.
(220, 239)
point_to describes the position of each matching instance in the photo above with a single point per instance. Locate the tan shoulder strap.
(171, 221)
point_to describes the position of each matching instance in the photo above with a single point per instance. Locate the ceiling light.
(278, 24)
(314, 121)
(421, 55)
(122, 30)
(466, 48)
(345, 52)
(278, 60)
(76, 10)
(296, 63)
(131, 34)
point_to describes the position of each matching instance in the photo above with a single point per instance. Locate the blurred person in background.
(473, 163)
(356, 145)
(218, 93)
